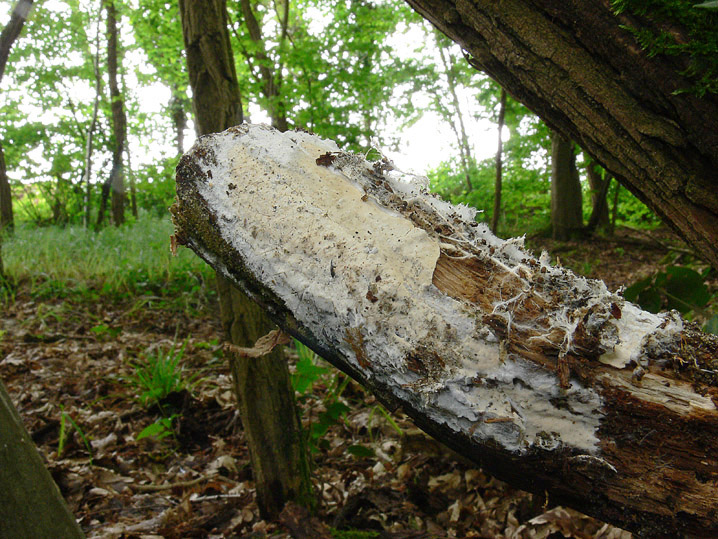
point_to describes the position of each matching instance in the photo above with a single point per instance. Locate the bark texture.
(263, 388)
(626, 109)
(599, 183)
(30, 503)
(119, 121)
(544, 378)
(566, 197)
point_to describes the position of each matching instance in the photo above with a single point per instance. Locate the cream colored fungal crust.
(333, 244)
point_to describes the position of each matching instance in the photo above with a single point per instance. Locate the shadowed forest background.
(111, 347)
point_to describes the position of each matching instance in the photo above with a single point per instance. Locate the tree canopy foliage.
(350, 71)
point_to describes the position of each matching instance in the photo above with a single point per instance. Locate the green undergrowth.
(116, 263)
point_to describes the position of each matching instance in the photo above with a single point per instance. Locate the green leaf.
(306, 374)
(631, 293)
(360, 451)
(685, 289)
(650, 299)
(710, 4)
(159, 429)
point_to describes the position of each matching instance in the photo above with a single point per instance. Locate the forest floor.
(69, 365)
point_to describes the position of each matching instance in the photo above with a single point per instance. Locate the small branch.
(170, 486)
(262, 347)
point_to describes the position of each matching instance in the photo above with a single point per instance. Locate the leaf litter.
(371, 473)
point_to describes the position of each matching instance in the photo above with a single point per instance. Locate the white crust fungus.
(339, 244)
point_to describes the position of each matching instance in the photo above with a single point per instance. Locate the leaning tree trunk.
(566, 198)
(30, 503)
(544, 378)
(574, 64)
(264, 392)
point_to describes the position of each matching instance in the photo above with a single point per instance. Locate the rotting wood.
(546, 379)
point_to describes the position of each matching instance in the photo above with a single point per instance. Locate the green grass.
(119, 262)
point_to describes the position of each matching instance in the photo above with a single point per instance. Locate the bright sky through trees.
(422, 146)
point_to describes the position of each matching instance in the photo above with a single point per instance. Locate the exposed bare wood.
(545, 378)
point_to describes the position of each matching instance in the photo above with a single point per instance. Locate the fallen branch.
(169, 486)
(544, 378)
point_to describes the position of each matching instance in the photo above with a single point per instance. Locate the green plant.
(677, 287)
(102, 330)
(159, 374)
(159, 429)
(66, 425)
(306, 375)
(354, 534)
(307, 372)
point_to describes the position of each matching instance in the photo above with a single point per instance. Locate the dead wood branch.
(545, 378)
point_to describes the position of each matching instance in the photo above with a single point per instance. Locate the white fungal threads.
(357, 272)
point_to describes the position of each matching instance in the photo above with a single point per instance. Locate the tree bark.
(89, 141)
(499, 165)
(7, 220)
(12, 30)
(30, 502)
(179, 119)
(544, 378)
(628, 110)
(119, 121)
(599, 184)
(264, 393)
(566, 198)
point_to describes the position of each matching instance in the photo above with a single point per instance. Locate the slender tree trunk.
(179, 120)
(5, 198)
(271, 80)
(461, 137)
(7, 221)
(566, 214)
(12, 30)
(30, 502)
(104, 197)
(599, 184)
(574, 64)
(499, 166)
(264, 393)
(119, 121)
(89, 143)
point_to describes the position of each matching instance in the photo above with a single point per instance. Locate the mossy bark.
(30, 503)
(264, 393)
